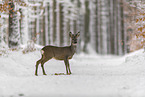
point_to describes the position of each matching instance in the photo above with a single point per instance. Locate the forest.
(109, 59)
(106, 26)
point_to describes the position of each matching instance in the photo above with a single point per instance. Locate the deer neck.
(73, 48)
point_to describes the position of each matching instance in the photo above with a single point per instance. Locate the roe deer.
(58, 53)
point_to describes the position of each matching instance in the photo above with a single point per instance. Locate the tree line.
(102, 24)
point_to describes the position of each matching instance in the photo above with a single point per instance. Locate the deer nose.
(75, 42)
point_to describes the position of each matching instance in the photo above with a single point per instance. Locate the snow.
(92, 76)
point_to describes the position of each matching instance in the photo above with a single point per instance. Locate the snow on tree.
(30, 47)
(12, 7)
(3, 35)
(14, 35)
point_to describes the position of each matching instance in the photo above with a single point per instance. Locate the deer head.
(74, 38)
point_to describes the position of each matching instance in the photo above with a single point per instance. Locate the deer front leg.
(66, 64)
(69, 68)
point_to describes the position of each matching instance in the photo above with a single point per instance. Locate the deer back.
(59, 53)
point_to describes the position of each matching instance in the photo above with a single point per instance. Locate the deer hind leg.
(37, 63)
(42, 65)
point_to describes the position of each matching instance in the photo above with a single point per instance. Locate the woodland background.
(106, 26)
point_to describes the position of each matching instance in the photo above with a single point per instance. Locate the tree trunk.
(86, 26)
(98, 44)
(14, 36)
(92, 28)
(46, 25)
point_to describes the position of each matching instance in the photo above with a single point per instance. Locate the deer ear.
(78, 34)
(70, 34)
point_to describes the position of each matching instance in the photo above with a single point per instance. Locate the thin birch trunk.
(46, 25)
(115, 28)
(57, 24)
(104, 26)
(99, 26)
(37, 27)
(119, 30)
(51, 21)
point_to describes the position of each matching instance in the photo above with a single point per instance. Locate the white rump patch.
(42, 52)
(75, 44)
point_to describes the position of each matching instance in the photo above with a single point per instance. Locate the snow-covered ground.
(92, 76)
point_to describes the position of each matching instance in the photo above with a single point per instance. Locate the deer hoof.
(68, 73)
(36, 74)
(44, 74)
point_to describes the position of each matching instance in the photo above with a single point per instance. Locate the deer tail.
(42, 52)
